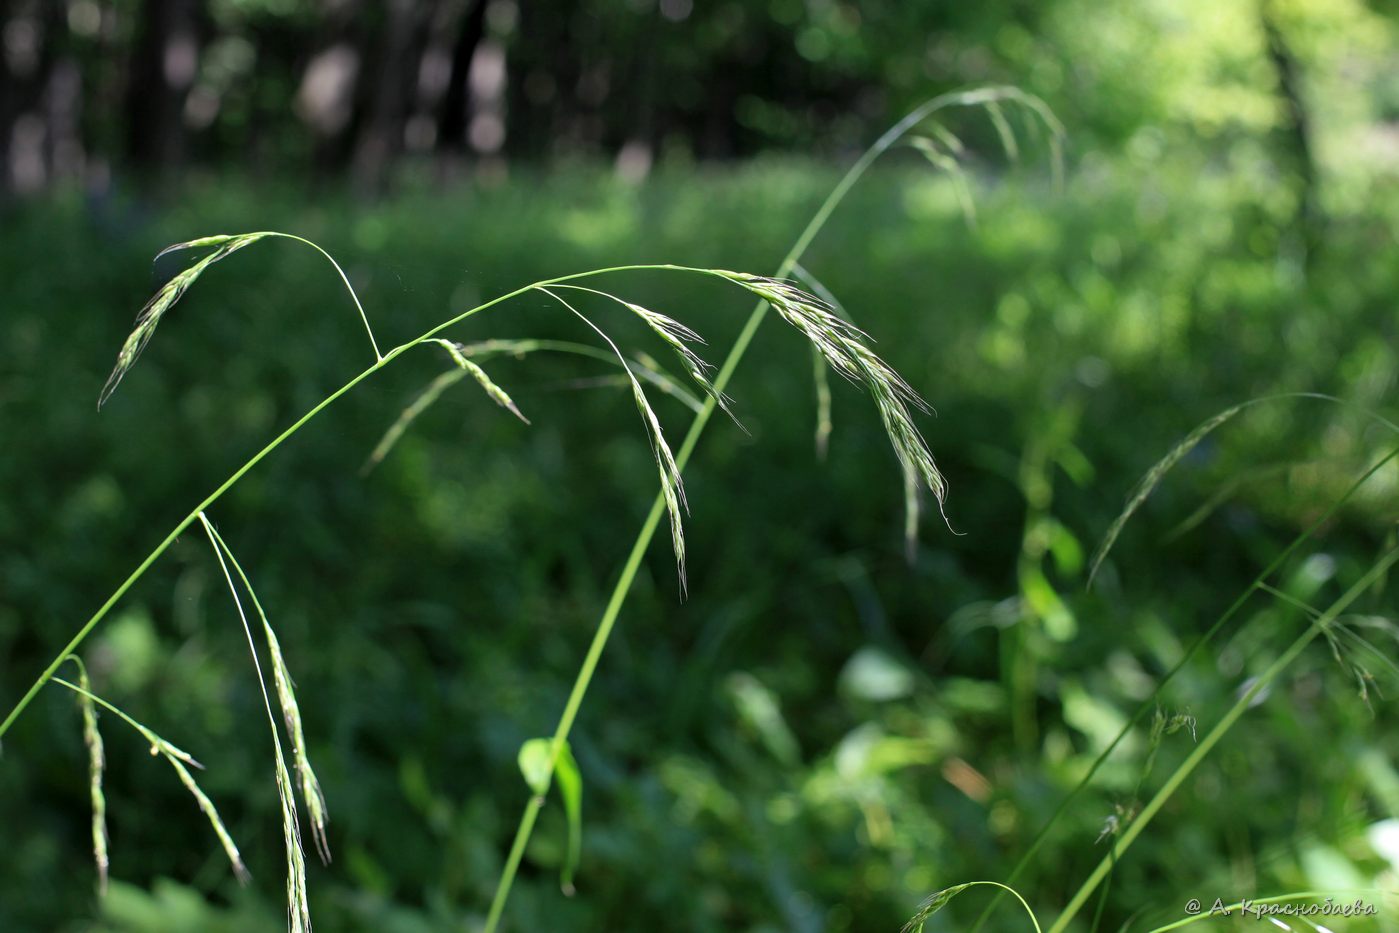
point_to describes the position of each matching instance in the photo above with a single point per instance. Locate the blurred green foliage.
(822, 734)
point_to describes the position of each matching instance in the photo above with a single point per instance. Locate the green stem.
(1207, 744)
(1147, 705)
(687, 447)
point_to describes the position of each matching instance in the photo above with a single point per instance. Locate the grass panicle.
(1152, 479)
(672, 487)
(96, 764)
(841, 346)
(845, 349)
(181, 761)
(224, 245)
(298, 906)
(166, 298)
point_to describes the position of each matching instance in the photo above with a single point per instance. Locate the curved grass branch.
(940, 900)
(81, 635)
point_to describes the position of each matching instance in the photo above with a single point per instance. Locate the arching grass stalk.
(1151, 702)
(939, 900)
(125, 360)
(1245, 699)
(974, 98)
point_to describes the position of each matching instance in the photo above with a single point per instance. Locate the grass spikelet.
(205, 804)
(1003, 130)
(497, 394)
(938, 901)
(420, 404)
(844, 347)
(298, 907)
(178, 759)
(642, 366)
(672, 487)
(820, 373)
(96, 764)
(1153, 478)
(165, 299)
(309, 785)
(679, 338)
(948, 162)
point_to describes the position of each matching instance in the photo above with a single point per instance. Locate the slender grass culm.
(1127, 830)
(835, 341)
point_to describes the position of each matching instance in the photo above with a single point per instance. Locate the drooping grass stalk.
(298, 905)
(1259, 581)
(311, 795)
(632, 565)
(672, 489)
(48, 673)
(171, 292)
(1206, 744)
(181, 761)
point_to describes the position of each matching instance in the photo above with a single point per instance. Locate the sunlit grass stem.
(687, 447)
(1211, 739)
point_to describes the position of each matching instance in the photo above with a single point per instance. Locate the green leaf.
(571, 788)
(536, 765)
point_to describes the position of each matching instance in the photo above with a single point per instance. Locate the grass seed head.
(672, 488)
(845, 348)
(97, 763)
(459, 355)
(165, 299)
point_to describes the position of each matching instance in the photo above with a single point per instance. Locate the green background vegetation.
(822, 734)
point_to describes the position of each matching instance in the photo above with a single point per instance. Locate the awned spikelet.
(298, 904)
(845, 349)
(178, 759)
(459, 355)
(165, 299)
(672, 488)
(96, 764)
(679, 338)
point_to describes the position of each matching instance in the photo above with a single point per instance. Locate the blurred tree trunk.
(164, 63)
(389, 83)
(455, 113)
(1302, 171)
(33, 32)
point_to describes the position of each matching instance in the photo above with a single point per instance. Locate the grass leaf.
(536, 764)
